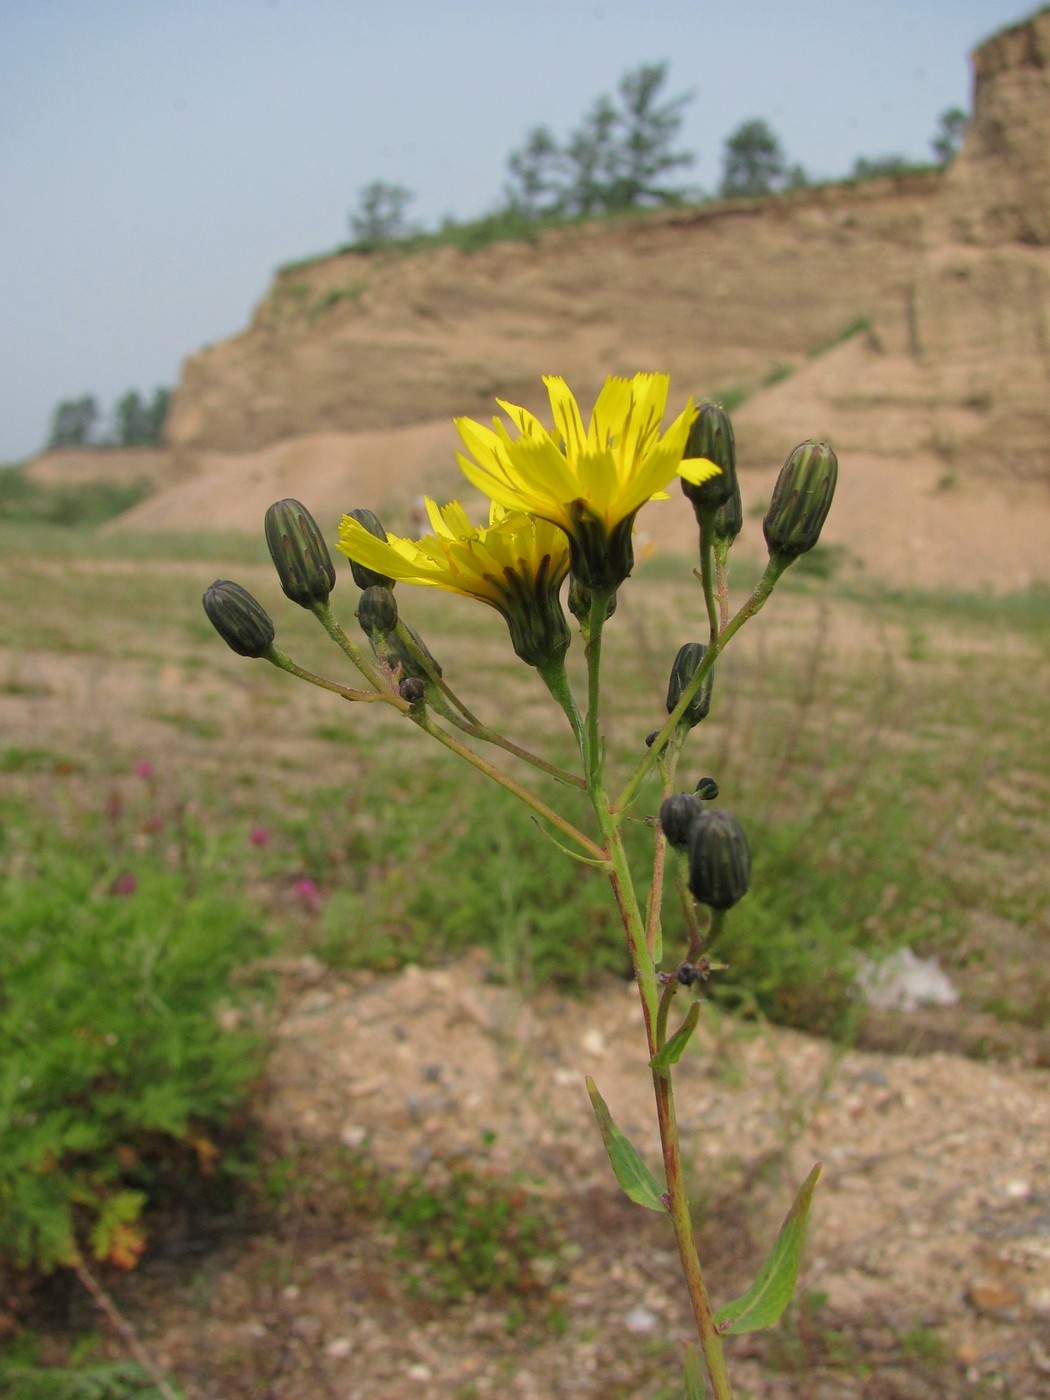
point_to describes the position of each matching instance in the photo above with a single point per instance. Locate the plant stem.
(707, 529)
(562, 824)
(556, 680)
(592, 735)
(323, 613)
(757, 600)
(492, 736)
(285, 663)
(678, 1204)
(123, 1328)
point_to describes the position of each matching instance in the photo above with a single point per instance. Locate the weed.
(450, 1231)
(116, 1075)
(101, 1381)
(353, 291)
(18, 760)
(731, 397)
(860, 325)
(83, 504)
(777, 375)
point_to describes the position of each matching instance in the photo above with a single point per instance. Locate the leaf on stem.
(774, 1285)
(671, 1053)
(695, 1388)
(635, 1178)
(567, 850)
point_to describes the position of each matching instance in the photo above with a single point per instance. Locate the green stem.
(323, 613)
(668, 762)
(666, 997)
(592, 744)
(426, 723)
(757, 600)
(285, 663)
(678, 1201)
(678, 1205)
(435, 679)
(556, 680)
(707, 529)
(491, 736)
(722, 581)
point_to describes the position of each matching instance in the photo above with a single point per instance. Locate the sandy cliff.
(342, 388)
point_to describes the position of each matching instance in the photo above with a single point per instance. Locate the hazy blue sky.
(159, 158)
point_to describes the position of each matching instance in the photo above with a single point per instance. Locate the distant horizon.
(160, 163)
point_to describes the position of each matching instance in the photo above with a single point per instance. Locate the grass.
(88, 503)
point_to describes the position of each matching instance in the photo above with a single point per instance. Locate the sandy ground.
(930, 1234)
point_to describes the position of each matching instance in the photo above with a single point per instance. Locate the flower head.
(590, 480)
(516, 565)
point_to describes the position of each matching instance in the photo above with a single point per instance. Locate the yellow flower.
(591, 481)
(516, 565)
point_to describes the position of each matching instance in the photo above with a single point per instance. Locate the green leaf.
(769, 1295)
(672, 1051)
(695, 1387)
(637, 1181)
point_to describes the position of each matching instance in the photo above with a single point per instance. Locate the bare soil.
(927, 1271)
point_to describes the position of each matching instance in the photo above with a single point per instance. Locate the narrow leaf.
(635, 1178)
(672, 1050)
(774, 1285)
(695, 1386)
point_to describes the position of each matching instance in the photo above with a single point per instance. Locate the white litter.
(904, 982)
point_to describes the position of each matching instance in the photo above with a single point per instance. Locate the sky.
(159, 159)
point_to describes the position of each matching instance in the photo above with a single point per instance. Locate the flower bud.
(686, 665)
(677, 815)
(801, 500)
(711, 436)
(719, 859)
(299, 553)
(729, 521)
(579, 601)
(413, 690)
(368, 578)
(240, 620)
(410, 655)
(377, 611)
(706, 789)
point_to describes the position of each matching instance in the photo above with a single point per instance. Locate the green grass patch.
(19, 760)
(118, 1082)
(450, 1232)
(79, 505)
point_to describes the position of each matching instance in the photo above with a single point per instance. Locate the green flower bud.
(299, 553)
(377, 611)
(368, 578)
(729, 521)
(240, 620)
(719, 859)
(801, 500)
(711, 436)
(579, 601)
(408, 656)
(686, 665)
(413, 690)
(677, 815)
